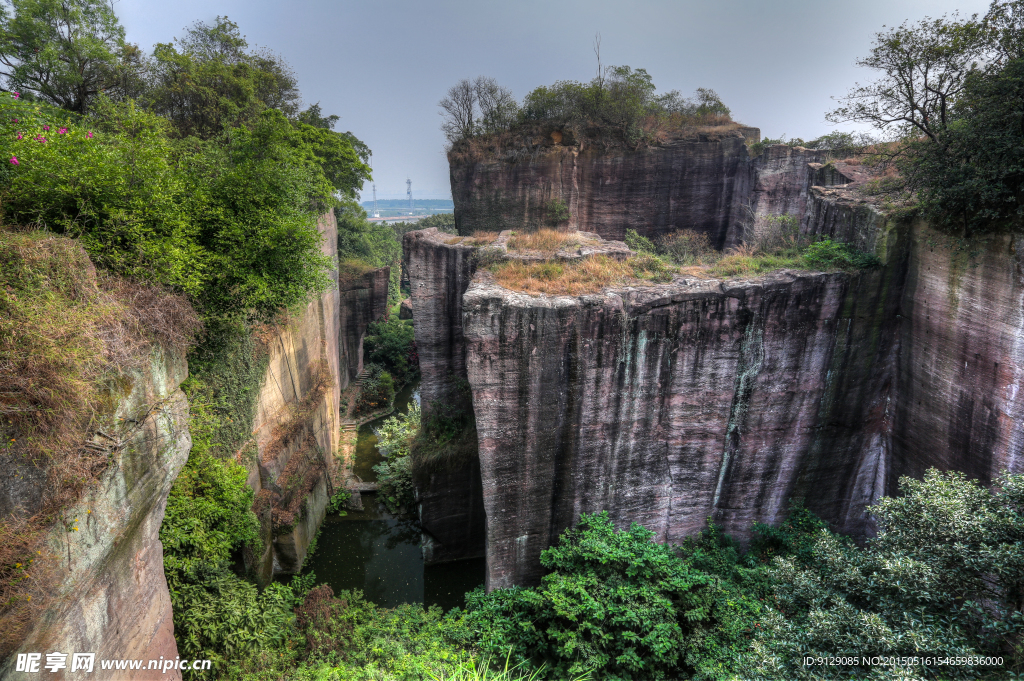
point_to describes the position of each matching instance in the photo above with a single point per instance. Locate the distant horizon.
(778, 66)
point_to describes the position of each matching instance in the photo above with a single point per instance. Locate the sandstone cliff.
(701, 181)
(112, 597)
(297, 426)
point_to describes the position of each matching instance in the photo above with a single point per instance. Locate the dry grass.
(545, 241)
(478, 238)
(67, 336)
(576, 277)
(351, 269)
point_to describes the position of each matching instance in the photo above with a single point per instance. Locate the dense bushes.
(394, 442)
(377, 391)
(392, 345)
(620, 99)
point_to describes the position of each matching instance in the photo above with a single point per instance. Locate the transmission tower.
(408, 192)
(376, 213)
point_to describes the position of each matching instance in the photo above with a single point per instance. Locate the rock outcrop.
(700, 181)
(670, 404)
(111, 598)
(297, 426)
(451, 507)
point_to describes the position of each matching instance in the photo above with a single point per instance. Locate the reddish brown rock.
(700, 182)
(112, 598)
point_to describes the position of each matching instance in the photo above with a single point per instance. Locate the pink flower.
(62, 131)
(15, 120)
(19, 135)
(17, 95)
(46, 128)
(14, 160)
(89, 135)
(40, 139)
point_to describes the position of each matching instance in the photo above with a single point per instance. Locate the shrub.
(392, 344)
(377, 391)
(556, 212)
(613, 603)
(640, 244)
(394, 474)
(942, 578)
(827, 254)
(687, 247)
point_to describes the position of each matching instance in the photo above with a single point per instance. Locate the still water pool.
(380, 553)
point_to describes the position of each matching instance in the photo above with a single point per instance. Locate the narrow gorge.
(701, 398)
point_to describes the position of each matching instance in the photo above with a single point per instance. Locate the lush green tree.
(944, 578)
(210, 81)
(614, 603)
(950, 94)
(63, 51)
(392, 344)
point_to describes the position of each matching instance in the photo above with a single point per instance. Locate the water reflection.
(380, 553)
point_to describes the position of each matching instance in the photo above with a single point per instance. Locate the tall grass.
(545, 241)
(583, 275)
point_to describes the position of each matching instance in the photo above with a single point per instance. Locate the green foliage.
(827, 254)
(621, 98)
(949, 94)
(63, 51)
(640, 244)
(377, 391)
(687, 247)
(209, 509)
(233, 226)
(445, 222)
(614, 603)
(943, 578)
(210, 81)
(394, 474)
(338, 502)
(556, 212)
(351, 639)
(392, 344)
(373, 243)
(220, 617)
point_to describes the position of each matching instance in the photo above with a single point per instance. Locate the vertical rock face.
(782, 180)
(663, 405)
(364, 299)
(112, 598)
(700, 182)
(671, 404)
(297, 424)
(961, 372)
(451, 507)
(439, 274)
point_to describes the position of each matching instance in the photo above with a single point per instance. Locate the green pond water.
(380, 553)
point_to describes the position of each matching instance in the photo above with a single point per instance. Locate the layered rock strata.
(440, 268)
(669, 404)
(296, 430)
(111, 598)
(701, 181)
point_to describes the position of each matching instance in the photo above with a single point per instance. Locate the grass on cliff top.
(66, 334)
(547, 241)
(583, 275)
(478, 238)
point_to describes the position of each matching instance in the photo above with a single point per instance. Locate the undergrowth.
(69, 339)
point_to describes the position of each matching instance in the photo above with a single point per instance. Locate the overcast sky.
(382, 66)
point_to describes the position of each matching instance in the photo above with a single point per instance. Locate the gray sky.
(383, 66)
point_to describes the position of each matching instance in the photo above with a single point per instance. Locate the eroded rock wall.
(296, 430)
(451, 506)
(668, 405)
(112, 597)
(364, 299)
(702, 182)
(961, 371)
